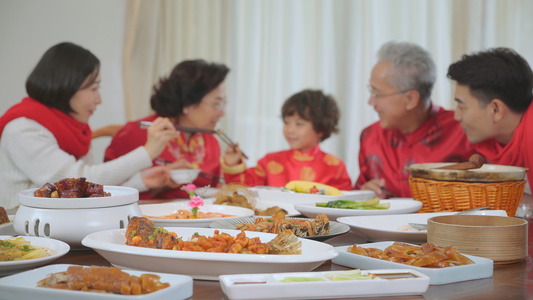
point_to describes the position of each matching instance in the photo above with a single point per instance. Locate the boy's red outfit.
(518, 152)
(385, 153)
(201, 151)
(276, 169)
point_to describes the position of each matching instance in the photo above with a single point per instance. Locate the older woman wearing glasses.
(411, 129)
(194, 96)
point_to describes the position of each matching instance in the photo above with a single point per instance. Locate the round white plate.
(183, 176)
(335, 228)
(164, 209)
(201, 265)
(120, 195)
(60, 248)
(387, 227)
(397, 206)
(7, 228)
(282, 195)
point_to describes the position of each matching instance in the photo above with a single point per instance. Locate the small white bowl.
(183, 176)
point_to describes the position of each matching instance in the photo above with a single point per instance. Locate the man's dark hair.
(498, 73)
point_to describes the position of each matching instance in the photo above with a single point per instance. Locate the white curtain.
(275, 48)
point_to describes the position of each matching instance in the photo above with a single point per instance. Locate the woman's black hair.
(60, 73)
(187, 84)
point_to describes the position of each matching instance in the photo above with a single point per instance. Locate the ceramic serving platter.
(163, 209)
(335, 228)
(23, 286)
(111, 244)
(482, 267)
(272, 286)
(396, 227)
(58, 248)
(397, 206)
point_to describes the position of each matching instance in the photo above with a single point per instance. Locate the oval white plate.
(335, 228)
(23, 286)
(60, 248)
(281, 195)
(482, 267)
(397, 206)
(164, 209)
(120, 195)
(183, 176)
(200, 265)
(385, 228)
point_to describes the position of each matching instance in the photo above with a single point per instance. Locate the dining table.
(509, 281)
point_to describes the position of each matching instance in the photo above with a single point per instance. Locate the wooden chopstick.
(220, 133)
(229, 142)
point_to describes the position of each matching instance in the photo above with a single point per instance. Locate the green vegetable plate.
(343, 208)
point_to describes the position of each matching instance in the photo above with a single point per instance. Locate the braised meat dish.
(72, 188)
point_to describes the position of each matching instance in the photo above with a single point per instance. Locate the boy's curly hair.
(316, 107)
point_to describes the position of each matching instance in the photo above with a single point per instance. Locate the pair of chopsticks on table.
(225, 138)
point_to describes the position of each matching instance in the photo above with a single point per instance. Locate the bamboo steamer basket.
(497, 186)
(502, 239)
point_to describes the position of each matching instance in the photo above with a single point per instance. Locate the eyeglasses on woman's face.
(217, 105)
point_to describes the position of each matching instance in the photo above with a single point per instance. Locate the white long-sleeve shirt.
(30, 157)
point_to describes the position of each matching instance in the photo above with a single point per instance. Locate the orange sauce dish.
(187, 214)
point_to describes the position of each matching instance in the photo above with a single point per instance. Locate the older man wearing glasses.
(411, 129)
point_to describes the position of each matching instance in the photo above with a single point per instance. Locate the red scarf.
(72, 136)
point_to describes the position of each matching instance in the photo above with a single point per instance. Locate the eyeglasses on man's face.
(375, 96)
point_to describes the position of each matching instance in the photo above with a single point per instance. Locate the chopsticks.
(224, 137)
(229, 142)
(146, 124)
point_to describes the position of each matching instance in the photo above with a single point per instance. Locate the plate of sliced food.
(65, 281)
(26, 252)
(206, 253)
(442, 264)
(340, 208)
(319, 228)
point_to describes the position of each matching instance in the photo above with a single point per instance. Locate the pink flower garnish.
(190, 187)
(196, 201)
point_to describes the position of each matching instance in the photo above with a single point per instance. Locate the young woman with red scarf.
(46, 137)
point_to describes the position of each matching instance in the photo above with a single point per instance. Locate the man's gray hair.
(411, 67)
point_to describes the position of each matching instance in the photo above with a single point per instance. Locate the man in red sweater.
(493, 95)
(411, 129)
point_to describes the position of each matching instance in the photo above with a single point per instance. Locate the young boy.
(309, 117)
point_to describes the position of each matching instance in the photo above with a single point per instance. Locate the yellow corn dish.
(14, 249)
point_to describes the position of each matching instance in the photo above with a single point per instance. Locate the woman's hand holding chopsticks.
(160, 132)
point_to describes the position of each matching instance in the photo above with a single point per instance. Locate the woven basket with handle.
(437, 195)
